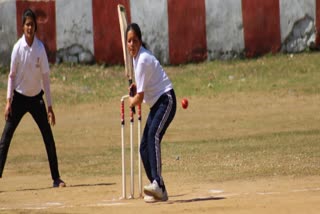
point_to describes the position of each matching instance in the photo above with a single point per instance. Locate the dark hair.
(135, 27)
(32, 15)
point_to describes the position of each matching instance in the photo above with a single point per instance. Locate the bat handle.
(133, 109)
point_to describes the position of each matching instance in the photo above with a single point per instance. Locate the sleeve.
(45, 70)
(13, 71)
(44, 60)
(143, 73)
(140, 77)
(46, 87)
(10, 85)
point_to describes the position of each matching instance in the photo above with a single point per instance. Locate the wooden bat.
(126, 56)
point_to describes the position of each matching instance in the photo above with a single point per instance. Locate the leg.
(39, 114)
(144, 150)
(164, 112)
(11, 124)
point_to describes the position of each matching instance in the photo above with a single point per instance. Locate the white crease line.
(306, 190)
(107, 204)
(300, 190)
(230, 195)
(53, 204)
(112, 202)
(216, 191)
(213, 191)
(268, 193)
(35, 208)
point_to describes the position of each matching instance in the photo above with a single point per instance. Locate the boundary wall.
(176, 31)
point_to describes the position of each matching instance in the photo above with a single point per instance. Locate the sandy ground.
(21, 193)
(101, 195)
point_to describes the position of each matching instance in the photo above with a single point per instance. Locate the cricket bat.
(126, 56)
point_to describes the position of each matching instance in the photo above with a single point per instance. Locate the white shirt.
(29, 69)
(150, 77)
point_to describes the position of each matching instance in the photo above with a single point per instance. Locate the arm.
(137, 98)
(46, 87)
(7, 110)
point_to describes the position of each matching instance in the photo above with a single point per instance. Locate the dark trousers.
(36, 107)
(159, 119)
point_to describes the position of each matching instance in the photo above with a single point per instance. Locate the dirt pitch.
(27, 193)
(100, 195)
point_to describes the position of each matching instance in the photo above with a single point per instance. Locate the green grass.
(280, 73)
(293, 153)
(267, 74)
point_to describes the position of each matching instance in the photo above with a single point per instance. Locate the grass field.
(247, 120)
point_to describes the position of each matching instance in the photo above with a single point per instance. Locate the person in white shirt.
(155, 89)
(27, 82)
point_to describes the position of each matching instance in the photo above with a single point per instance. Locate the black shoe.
(59, 183)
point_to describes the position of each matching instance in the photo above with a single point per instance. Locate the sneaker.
(154, 190)
(165, 196)
(59, 183)
(151, 199)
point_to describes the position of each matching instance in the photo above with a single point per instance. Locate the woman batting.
(29, 71)
(154, 88)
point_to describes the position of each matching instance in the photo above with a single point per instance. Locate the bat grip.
(133, 109)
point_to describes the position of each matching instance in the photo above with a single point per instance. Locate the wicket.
(131, 196)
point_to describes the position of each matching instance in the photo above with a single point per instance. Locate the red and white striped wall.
(176, 31)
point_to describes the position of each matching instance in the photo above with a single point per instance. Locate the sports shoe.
(165, 195)
(154, 190)
(151, 199)
(59, 183)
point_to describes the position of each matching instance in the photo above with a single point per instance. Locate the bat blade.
(126, 56)
(123, 27)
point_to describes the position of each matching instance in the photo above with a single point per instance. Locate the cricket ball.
(184, 103)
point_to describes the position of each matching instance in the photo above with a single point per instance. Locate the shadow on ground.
(68, 186)
(196, 200)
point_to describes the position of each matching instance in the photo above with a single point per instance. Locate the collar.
(139, 52)
(25, 44)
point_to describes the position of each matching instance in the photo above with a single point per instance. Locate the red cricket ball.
(184, 103)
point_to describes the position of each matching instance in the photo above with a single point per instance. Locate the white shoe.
(154, 190)
(151, 199)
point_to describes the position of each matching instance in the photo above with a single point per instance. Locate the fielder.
(29, 70)
(155, 89)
